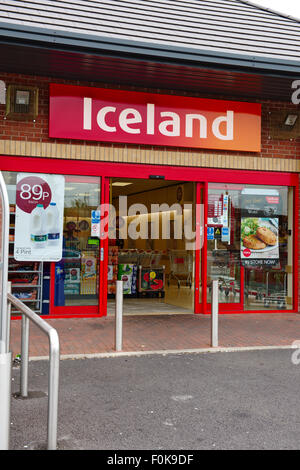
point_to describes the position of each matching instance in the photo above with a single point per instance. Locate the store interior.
(148, 249)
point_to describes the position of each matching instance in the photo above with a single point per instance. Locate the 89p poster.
(39, 217)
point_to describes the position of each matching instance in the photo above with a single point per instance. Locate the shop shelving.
(23, 280)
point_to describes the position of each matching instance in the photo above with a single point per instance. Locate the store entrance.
(151, 245)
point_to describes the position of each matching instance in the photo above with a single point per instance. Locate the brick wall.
(38, 131)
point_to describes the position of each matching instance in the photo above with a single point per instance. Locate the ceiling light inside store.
(120, 183)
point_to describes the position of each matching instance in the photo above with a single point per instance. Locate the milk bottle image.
(38, 229)
(53, 228)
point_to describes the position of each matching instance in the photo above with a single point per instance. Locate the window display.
(77, 272)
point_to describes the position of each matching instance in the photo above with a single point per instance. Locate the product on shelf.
(88, 283)
(112, 271)
(128, 274)
(26, 295)
(25, 276)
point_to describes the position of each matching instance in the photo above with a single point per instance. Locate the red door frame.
(65, 311)
(103, 249)
(199, 242)
(175, 173)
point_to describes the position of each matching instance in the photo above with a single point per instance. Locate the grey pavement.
(236, 400)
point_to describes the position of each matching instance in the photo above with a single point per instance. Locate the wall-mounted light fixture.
(284, 124)
(21, 103)
(290, 120)
(2, 92)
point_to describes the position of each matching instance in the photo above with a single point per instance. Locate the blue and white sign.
(210, 233)
(225, 234)
(95, 225)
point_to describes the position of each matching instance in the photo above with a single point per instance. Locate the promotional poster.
(39, 217)
(260, 227)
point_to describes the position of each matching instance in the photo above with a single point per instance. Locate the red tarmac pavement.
(161, 332)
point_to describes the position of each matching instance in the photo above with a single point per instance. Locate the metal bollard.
(119, 316)
(24, 356)
(215, 314)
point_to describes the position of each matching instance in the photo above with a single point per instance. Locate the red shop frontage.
(193, 172)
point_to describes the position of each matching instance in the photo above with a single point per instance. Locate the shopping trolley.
(267, 287)
(130, 256)
(155, 258)
(254, 284)
(144, 257)
(220, 269)
(276, 291)
(181, 267)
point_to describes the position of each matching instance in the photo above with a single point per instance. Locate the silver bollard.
(119, 316)
(24, 356)
(215, 314)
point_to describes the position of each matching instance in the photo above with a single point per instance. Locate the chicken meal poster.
(260, 211)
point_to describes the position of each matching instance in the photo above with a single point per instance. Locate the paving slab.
(161, 332)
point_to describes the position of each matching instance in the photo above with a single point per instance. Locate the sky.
(288, 7)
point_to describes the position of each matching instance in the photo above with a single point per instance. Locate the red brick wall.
(38, 131)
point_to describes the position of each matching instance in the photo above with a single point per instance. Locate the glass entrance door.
(223, 245)
(75, 279)
(151, 245)
(249, 247)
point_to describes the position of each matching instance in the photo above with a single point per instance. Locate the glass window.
(250, 245)
(77, 274)
(267, 221)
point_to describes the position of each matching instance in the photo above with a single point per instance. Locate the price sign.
(32, 190)
(39, 217)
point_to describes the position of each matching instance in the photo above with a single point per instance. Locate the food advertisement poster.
(259, 241)
(260, 228)
(39, 217)
(88, 285)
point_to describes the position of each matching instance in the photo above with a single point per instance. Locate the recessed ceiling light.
(120, 183)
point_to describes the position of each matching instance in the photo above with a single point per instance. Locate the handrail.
(53, 381)
(5, 354)
(4, 234)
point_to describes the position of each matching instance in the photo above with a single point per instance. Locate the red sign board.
(106, 115)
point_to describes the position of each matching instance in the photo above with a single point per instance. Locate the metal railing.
(53, 381)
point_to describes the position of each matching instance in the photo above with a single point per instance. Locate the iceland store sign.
(106, 115)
